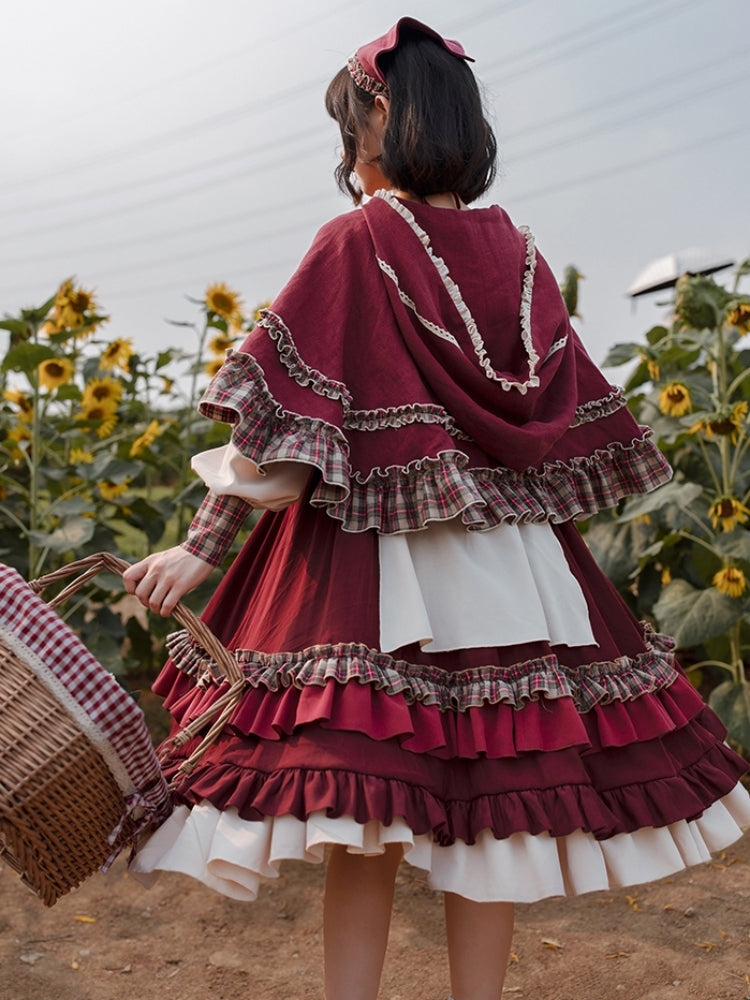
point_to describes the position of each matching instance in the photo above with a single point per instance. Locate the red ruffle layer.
(606, 792)
(493, 731)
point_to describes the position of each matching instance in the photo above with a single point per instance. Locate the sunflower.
(740, 317)
(74, 309)
(674, 399)
(102, 390)
(110, 491)
(225, 302)
(730, 581)
(55, 372)
(220, 344)
(17, 436)
(80, 456)
(117, 355)
(146, 439)
(22, 401)
(724, 424)
(106, 428)
(213, 366)
(97, 409)
(729, 512)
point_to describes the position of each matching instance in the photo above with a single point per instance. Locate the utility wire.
(232, 115)
(541, 149)
(287, 263)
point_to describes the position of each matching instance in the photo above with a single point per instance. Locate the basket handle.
(88, 567)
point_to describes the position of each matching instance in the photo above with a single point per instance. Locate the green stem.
(711, 663)
(189, 436)
(699, 541)
(36, 439)
(709, 464)
(739, 453)
(735, 648)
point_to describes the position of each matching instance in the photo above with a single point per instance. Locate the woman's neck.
(446, 199)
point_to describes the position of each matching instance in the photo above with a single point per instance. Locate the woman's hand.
(160, 580)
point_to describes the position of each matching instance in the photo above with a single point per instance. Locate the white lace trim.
(234, 856)
(410, 304)
(557, 346)
(453, 290)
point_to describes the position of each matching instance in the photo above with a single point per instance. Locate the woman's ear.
(382, 104)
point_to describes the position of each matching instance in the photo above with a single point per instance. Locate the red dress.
(421, 362)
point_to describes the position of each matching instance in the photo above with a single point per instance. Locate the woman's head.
(414, 101)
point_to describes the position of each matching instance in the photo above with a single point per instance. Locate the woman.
(436, 668)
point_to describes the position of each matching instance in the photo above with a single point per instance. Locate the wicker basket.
(79, 778)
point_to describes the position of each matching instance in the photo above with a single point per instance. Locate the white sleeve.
(226, 472)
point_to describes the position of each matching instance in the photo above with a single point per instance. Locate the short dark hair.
(436, 137)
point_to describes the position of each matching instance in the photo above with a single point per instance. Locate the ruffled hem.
(433, 488)
(233, 856)
(615, 791)
(492, 730)
(592, 684)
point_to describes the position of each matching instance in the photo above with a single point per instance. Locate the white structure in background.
(664, 272)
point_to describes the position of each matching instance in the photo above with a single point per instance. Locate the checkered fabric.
(32, 626)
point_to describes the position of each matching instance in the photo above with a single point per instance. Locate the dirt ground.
(684, 937)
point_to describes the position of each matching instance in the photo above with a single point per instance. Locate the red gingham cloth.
(112, 711)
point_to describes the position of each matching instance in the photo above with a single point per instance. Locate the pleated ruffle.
(234, 856)
(587, 684)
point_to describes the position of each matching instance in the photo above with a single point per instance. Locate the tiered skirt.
(507, 772)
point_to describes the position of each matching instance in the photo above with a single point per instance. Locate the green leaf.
(656, 334)
(75, 505)
(26, 357)
(15, 326)
(147, 519)
(692, 615)
(730, 702)
(672, 494)
(620, 354)
(639, 376)
(116, 470)
(39, 314)
(70, 535)
(615, 547)
(734, 543)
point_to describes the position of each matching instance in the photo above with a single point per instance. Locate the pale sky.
(151, 147)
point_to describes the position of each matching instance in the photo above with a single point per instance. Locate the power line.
(601, 29)
(211, 64)
(658, 156)
(541, 149)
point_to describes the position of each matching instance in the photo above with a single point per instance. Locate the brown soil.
(684, 937)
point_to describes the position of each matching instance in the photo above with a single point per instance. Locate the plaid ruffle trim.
(436, 488)
(623, 679)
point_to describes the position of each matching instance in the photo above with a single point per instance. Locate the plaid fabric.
(38, 633)
(406, 497)
(594, 684)
(215, 526)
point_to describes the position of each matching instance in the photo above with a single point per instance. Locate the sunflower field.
(95, 446)
(681, 555)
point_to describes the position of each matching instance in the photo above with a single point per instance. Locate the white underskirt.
(233, 855)
(449, 588)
